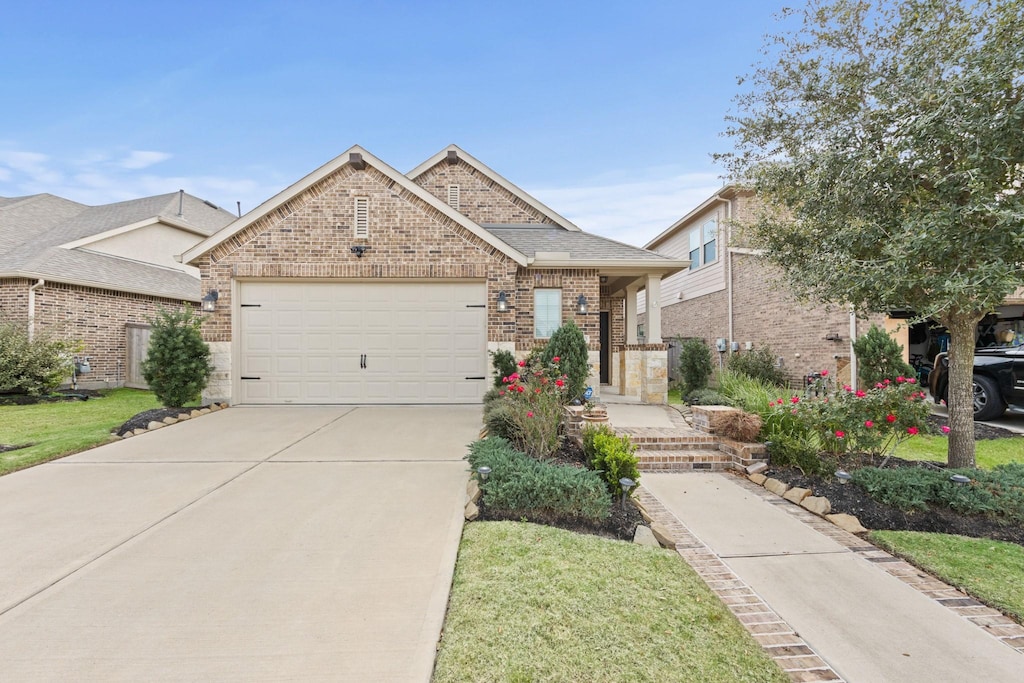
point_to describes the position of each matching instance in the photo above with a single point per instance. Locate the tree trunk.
(960, 400)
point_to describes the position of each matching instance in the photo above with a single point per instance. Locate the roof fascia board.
(114, 232)
(319, 174)
(497, 178)
(94, 285)
(624, 266)
(727, 192)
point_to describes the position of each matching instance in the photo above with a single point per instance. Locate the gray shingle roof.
(33, 228)
(582, 246)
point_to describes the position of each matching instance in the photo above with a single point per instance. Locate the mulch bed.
(620, 524)
(853, 500)
(56, 397)
(142, 420)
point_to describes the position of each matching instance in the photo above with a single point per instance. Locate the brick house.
(91, 272)
(360, 284)
(730, 293)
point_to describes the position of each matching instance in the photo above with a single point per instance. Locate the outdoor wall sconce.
(502, 304)
(581, 305)
(359, 250)
(210, 301)
(960, 480)
(832, 336)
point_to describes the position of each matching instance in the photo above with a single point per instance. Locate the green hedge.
(521, 486)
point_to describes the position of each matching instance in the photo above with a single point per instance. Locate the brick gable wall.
(481, 199)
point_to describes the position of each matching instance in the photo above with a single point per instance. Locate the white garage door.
(373, 342)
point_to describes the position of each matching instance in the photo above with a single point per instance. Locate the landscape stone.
(757, 468)
(473, 491)
(472, 512)
(775, 486)
(196, 413)
(846, 523)
(819, 505)
(204, 411)
(155, 425)
(796, 494)
(213, 407)
(170, 420)
(644, 536)
(758, 479)
(184, 416)
(116, 437)
(663, 535)
(139, 431)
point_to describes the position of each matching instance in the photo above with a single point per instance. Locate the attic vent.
(362, 222)
(453, 196)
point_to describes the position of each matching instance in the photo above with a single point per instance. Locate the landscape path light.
(960, 480)
(843, 476)
(626, 483)
(484, 471)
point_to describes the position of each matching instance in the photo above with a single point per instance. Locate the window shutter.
(453, 196)
(362, 220)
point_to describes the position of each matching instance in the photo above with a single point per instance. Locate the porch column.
(631, 291)
(653, 327)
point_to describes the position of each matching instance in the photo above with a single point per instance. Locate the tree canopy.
(886, 140)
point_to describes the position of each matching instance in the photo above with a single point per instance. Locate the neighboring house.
(87, 272)
(360, 284)
(730, 293)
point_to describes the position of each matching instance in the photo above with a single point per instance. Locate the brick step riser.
(675, 445)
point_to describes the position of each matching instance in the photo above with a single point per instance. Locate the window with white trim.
(453, 196)
(703, 244)
(361, 225)
(547, 312)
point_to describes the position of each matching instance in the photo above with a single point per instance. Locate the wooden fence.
(136, 347)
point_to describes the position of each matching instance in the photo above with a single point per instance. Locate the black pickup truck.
(998, 381)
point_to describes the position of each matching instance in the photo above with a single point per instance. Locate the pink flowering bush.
(531, 400)
(872, 421)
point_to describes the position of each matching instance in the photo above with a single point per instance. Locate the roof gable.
(359, 158)
(461, 156)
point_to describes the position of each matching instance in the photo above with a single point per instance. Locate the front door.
(606, 348)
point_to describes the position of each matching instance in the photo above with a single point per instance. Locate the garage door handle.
(244, 377)
(362, 361)
(481, 377)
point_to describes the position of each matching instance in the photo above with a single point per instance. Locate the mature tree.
(887, 138)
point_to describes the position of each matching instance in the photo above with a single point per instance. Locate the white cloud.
(31, 164)
(634, 211)
(138, 159)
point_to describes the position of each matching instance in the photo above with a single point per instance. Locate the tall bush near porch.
(568, 345)
(177, 366)
(694, 365)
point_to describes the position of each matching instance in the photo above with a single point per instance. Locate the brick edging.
(989, 619)
(780, 640)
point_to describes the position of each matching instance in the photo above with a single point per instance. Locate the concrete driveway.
(252, 544)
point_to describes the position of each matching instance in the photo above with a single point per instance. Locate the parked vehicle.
(998, 381)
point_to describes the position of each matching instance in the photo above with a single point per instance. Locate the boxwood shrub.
(521, 486)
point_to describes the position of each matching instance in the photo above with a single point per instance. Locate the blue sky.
(605, 111)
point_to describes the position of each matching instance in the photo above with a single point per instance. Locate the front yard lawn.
(988, 452)
(535, 603)
(991, 571)
(57, 429)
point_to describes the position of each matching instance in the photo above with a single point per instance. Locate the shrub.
(531, 400)
(879, 357)
(587, 435)
(797, 451)
(567, 344)
(615, 458)
(758, 364)
(522, 486)
(33, 366)
(707, 397)
(504, 365)
(499, 422)
(740, 426)
(750, 394)
(178, 364)
(694, 365)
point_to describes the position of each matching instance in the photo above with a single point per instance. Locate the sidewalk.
(803, 591)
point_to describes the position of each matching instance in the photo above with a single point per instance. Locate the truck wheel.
(988, 404)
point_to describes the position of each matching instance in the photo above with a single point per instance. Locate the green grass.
(991, 571)
(987, 453)
(535, 603)
(674, 395)
(58, 429)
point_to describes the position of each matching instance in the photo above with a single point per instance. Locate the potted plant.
(593, 412)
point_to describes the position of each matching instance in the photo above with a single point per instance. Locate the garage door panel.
(419, 341)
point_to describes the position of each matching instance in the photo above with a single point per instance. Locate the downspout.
(728, 264)
(32, 307)
(853, 355)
